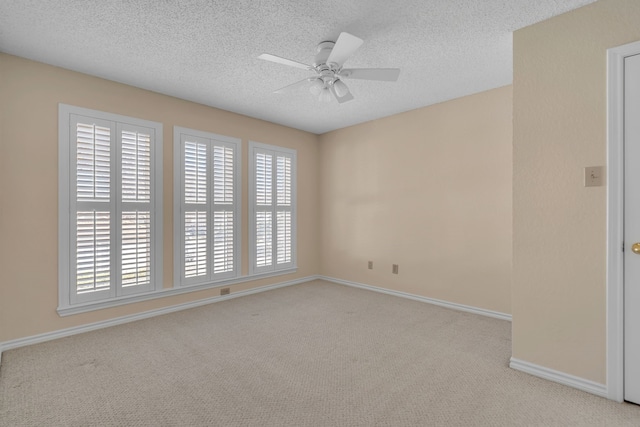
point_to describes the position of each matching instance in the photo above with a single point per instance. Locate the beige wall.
(429, 190)
(29, 97)
(559, 231)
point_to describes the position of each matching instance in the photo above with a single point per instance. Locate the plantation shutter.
(273, 209)
(208, 187)
(92, 209)
(264, 210)
(224, 208)
(195, 209)
(111, 209)
(283, 210)
(136, 213)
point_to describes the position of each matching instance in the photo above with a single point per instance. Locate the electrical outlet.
(225, 291)
(394, 269)
(370, 265)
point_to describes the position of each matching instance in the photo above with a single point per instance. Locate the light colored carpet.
(316, 354)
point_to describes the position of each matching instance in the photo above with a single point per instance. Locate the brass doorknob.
(636, 248)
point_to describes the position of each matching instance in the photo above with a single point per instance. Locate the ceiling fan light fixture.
(325, 95)
(316, 87)
(341, 88)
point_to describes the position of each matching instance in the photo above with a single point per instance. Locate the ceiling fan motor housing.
(324, 50)
(327, 72)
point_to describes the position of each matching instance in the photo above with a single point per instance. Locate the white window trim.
(65, 192)
(178, 178)
(253, 271)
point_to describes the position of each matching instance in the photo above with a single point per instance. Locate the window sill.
(165, 292)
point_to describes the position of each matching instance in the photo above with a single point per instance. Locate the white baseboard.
(441, 303)
(560, 377)
(48, 336)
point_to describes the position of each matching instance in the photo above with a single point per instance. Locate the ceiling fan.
(330, 57)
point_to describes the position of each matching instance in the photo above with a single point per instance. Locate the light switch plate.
(593, 176)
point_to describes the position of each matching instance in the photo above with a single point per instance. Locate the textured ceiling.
(206, 50)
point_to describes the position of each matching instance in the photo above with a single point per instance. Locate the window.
(110, 206)
(272, 208)
(206, 207)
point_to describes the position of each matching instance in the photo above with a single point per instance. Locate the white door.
(632, 229)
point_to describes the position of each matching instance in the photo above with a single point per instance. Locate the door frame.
(615, 217)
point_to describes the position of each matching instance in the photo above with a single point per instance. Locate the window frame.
(211, 138)
(68, 298)
(254, 148)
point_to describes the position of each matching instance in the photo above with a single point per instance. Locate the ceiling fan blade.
(293, 85)
(345, 46)
(380, 74)
(343, 99)
(347, 97)
(284, 61)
